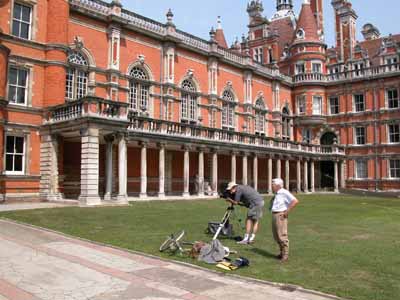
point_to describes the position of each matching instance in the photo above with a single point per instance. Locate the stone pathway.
(37, 264)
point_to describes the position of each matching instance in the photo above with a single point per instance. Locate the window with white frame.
(259, 55)
(260, 116)
(359, 102)
(334, 70)
(228, 109)
(392, 96)
(361, 169)
(77, 77)
(300, 68)
(358, 69)
(18, 86)
(189, 101)
(391, 60)
(15, 154)
(360, 135)
(394, 133)
(22, 21)
(301, 104)
(394, 168)
(316, 67)
(286, 124)
(334, 107)
(317, 105)
(139, 90)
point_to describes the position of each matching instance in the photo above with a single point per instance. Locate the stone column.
(186, 173)
(161, 171)
(278, 168)
(305, 181)
(143, 171)
(312, 176)
(244, 169)
(342, 175)
(201, 173)
(287, 173)
(214, 178)
(49, 189)
(269, 175)
(109, 167)
(336, 174)
(255, 171)
(89, 167)
(122, 170)
(233, 167)
(298, 175)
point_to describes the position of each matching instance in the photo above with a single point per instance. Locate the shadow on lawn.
(263, 252)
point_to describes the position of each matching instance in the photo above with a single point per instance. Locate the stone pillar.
(201, 173)
(244, 169)
(214, 179)
(233, 167)
(143, 171)
(161, 171)
(269, 175)
(278, 168)
(287, 173)
(122, 170)
(298, 175)
(49, 189)
(336, 174)
(90, 167)
(312, 176)
(255, 172)
(305, 181)
(342, 175)
(186, 173)
(109, 168)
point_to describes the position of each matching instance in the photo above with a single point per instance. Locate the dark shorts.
(255, 212)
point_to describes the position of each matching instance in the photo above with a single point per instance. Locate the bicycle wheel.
(171, 241)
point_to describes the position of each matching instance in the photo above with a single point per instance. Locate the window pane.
(21, 96)
(12, 76)
(12, 94)
(10, 144)
(24, 31)
(22, 77)
(17, 11)
(19, 145)
(26, 14)
(15, 28)
(9, 162)
(18, 163)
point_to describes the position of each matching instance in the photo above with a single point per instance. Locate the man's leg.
(249, 227)
(282, 235)
(275, 233)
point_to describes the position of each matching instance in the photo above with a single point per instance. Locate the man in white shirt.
(281, 205)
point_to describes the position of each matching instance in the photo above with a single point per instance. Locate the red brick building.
(98, 103)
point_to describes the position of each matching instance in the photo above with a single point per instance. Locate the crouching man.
(281, 205)
(247, 196)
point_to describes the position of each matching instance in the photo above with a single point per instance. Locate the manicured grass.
(343, 245)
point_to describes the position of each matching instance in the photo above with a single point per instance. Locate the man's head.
(231, 188)
(277, 184)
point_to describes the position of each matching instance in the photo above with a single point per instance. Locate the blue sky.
(197, 17)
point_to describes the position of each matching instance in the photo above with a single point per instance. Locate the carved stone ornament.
(141, 58)
(190, 73)
(78, 42)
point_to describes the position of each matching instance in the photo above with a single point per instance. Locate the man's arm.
(291, 206)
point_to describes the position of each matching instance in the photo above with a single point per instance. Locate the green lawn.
(343, 245)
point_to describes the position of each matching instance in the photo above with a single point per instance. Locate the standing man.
(281, 205)
(247, 196)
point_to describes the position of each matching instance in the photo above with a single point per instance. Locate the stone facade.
(98, 103)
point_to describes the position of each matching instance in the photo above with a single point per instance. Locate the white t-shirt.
(283, 199)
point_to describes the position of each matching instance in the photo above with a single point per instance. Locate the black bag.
(227, 230)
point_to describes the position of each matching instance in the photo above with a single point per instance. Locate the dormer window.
(300, 34)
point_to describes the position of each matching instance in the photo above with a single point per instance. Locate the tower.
(255, 9)
(317, 7)
(284, 5)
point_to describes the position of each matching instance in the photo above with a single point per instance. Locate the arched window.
(77, 77)
(286, 124)
(189, 101)
(260, 116)
(138, 90)
(228, 110)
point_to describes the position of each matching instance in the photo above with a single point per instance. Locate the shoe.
(243, 242)
(284, 259)
(279, 256)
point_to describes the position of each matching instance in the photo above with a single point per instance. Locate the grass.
(342, 245)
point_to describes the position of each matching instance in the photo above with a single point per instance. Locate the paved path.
(40, 265)
(24, 206)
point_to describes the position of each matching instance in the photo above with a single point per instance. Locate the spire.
(219, 34)
(255, 8)
(284, 5)
(307, 29)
